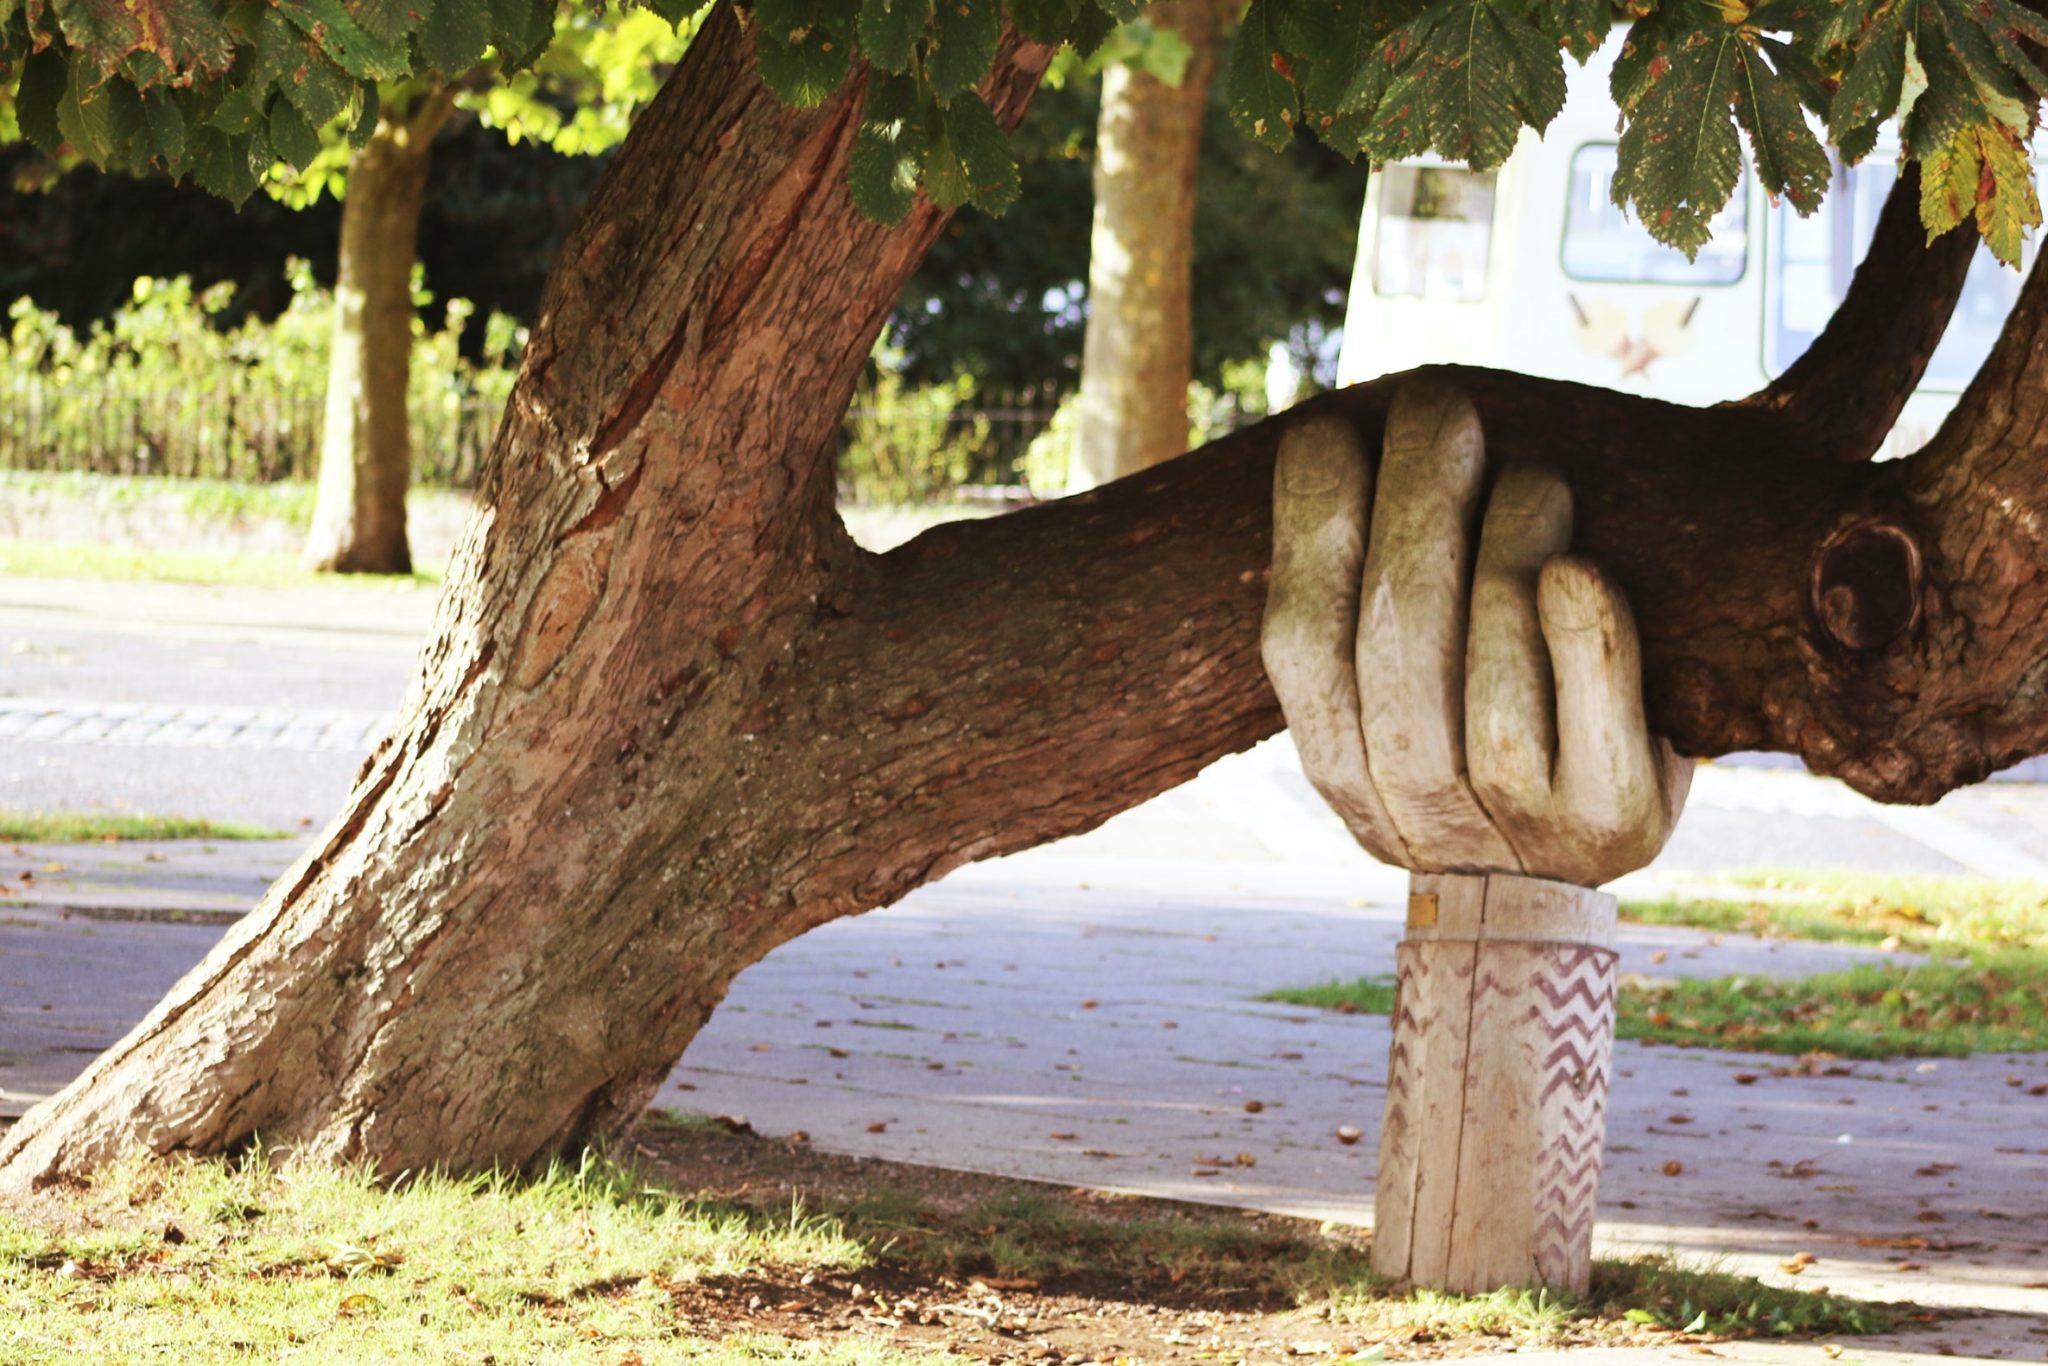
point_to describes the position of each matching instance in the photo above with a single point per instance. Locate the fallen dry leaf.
(1245, 1160)
(1674, 1168)
(879, 1127)
(1252, 1107)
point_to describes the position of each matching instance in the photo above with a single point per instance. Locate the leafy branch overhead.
(221, 92)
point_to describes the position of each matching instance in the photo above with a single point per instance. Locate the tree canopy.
(221, 90)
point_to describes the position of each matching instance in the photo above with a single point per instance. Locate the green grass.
(1994, 1002)
(1655, 1291)
(199, 500)
(201, 1261)
(1987, 992)
(1922, 912)
(90, 827)
(212, 568)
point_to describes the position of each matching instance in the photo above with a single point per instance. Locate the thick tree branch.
(1101, 649)
(1848, 389)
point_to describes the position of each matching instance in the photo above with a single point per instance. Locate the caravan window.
(1812, 260)
(1435, 227)
(1601, 242)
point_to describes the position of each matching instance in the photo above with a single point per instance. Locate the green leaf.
(522, 29)
(365, 125)
(454, 35)
(1842, 23)
(280, 50)
(1998, 88)
(1489, 74)
(1789, 160)
(968, 158)
(1045, 21)
(1345, 66)
(1796, 67)
(1646, 52)
(1869, 92)
(44, 79)
(345, 41)
(96, 29)
(1263, 101)
(321, 90)
(888, 150)
(889, 30)
(237, 111)
(803, 64)
(258, 152)
(127, 131)
(964, 47)
(1092, 27)
(1578, 26)
(1679, 158)
(220, 164)
(295, 141)
(166, 128)
(82, 115)
(1947, 101)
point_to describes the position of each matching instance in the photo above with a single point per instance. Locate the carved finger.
(1510, 734)
(1613, 781)
(1411, 639)
(1322, 493)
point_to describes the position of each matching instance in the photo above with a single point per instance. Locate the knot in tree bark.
(1865, 585)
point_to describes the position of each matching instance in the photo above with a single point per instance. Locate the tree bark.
(1137, 354)
(671, 717)
(1849, 387)
(365, 441)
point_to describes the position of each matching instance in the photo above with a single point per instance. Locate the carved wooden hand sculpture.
(1509, 737)
(1478, 720)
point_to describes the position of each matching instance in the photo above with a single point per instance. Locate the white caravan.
(1532, 268)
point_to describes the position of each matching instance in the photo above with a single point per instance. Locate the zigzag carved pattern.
(1404, 1077)
(1576, 984)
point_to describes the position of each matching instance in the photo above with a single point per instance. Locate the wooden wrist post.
(1497, 1084)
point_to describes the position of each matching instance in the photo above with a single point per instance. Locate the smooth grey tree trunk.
(365, 442)
(1137, 354)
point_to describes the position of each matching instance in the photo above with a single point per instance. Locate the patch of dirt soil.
(1109, 1311)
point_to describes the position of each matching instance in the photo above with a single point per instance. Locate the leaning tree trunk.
(1137, 354)
(365, 445)
(671, 717)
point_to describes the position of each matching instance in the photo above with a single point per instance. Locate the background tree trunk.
(365, 442)
(671, 717)
(1137, 354)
